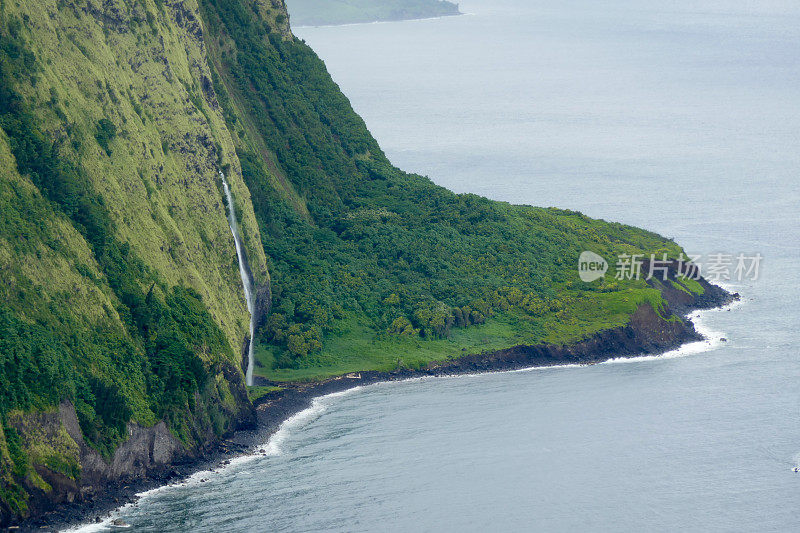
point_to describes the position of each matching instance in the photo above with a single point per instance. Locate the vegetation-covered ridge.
(330, 12)
(120, 299)
(373, 268)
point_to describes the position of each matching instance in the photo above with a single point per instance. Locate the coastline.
(641, 340)
(383, 21)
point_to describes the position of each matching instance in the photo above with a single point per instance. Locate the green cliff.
(122, 317)
(120, 290)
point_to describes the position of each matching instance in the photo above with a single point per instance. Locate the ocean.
(680, 117)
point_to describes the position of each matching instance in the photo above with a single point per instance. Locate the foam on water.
(712, 339)
(318, 406)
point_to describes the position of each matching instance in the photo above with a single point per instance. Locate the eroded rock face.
(145, 449)
(46, 436)
(81, 471)
(148, 452)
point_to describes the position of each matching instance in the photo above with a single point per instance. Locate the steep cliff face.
(120, 292)
(142, 67)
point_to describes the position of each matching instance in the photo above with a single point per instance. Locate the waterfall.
(243, 272)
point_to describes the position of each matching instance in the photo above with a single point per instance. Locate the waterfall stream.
(246, 281)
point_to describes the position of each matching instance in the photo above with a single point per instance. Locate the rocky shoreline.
(646, 334)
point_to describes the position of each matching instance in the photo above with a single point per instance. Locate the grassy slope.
(68, 328)
(143, 71)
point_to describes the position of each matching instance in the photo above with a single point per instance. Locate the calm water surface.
(681, 117)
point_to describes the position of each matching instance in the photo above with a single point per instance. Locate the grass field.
(359, 348)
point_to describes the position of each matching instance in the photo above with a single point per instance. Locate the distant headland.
(334, 12)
